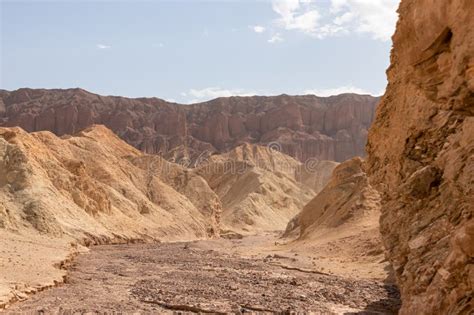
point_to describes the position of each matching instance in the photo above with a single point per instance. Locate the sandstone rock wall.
(421, 156)
(328, 128)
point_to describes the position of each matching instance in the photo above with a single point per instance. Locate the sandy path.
(204, 276)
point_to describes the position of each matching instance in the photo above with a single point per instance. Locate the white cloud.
(103, 46)
(329, 30)
(344, 18)
(294, 16)
(285, 8)
(276, 38)
(374, 17)
(337, 5)
(340, 90)
(214, 92)
(306, 22)
(258, 29)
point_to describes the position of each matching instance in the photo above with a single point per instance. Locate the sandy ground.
(337, 252)
(223, 275)
(30, 264)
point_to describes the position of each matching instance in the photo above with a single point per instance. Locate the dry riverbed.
(215, 276)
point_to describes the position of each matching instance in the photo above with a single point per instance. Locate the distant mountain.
(327, 128)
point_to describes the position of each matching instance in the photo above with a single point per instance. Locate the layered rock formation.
(421, 157)
(328, 128)
(261, 189)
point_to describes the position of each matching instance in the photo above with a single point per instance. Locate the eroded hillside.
(95, 184)
(90, 188)
(261, 189)
(340, 225)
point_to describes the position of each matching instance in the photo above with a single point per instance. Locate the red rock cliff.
(331, 128)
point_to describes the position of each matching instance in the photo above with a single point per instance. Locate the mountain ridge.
(326, 128)
(79, 89)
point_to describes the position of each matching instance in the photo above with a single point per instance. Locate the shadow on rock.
(389, 305)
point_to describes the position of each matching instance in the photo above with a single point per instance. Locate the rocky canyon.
(63, 196)
(347, 204)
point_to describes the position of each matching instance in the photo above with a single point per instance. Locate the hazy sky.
(188, 51)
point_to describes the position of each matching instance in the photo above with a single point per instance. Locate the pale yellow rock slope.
(260, 188)
(339, 227)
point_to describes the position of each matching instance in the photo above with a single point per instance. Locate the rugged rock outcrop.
(261, 189)
(421, 157)
(327, 128)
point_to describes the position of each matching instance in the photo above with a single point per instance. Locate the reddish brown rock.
(328, 128)
(421, 157)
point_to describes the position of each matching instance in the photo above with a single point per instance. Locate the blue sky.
(188, 51)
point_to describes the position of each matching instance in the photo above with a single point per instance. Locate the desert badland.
(347, 204)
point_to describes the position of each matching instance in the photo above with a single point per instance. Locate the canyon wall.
(421, 156)
(327, 128)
